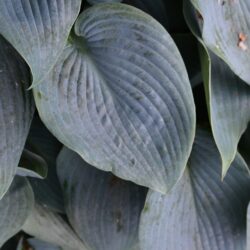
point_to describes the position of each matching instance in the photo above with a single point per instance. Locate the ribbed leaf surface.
(102, 209)
(52, 228)
(15, 207)
(38, 30)
(120, 97)
(201, 212)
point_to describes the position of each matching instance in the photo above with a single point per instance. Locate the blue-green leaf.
(226, 32)
(228, 98)
(52, 228)
(48, 192)
(120, 97)
(103, 210)
(38, 30)
(201, 212)
(16, 111)
(15, 207)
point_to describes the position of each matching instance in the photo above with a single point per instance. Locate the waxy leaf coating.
(119, 96)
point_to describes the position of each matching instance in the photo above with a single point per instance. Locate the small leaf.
(201, 212)
(38, 30)
(103, 210)
(51, 227)
(16, 111)
(32, 165)
(226, 32)
(48, 192)
(15, 207)
(121, 98)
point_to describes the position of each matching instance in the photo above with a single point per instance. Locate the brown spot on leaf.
(241, 41)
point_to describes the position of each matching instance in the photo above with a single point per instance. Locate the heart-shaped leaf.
(103, 209)
(16, 111)
(51, 227)
(15, 207)
(32, 165)
(48, 192)
(38, 30)
(201, 212)
(226, 32)
(121, 98)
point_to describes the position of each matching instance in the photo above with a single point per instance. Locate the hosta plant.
(123, 125)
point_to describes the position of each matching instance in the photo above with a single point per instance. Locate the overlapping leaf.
(228, 99)
(120, 97)
(103, 209)
(41, 245)
(201, 212)
(15, 208)
(32, 165)
(51, 227)
(38, 30)
(226, 32)
(229, 109)
(16, 111)
(48, 192)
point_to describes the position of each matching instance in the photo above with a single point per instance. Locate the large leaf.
(38, 30)
(120, 97)
(103, 209)
(228, 99)
(52, 228)
(16, 111)
(15, 207)
(48, 192)
(201, 212)
(226, 31)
